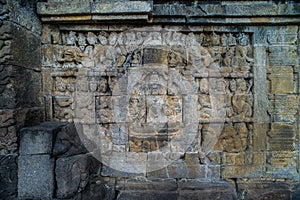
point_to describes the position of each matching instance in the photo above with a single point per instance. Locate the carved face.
(102, 39)
(232, 85)
(113, 38)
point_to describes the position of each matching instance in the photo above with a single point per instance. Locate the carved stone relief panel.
(158, 91)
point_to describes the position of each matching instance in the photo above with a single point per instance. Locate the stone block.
(205, 190)
(120, 7)
(8, 177)
(286, 107)
(282, 35)
(25, 48)
(138, 183)
(14, 94)
(124, 164)
(139, 188)
(72, 175)
(283, 55)
(108, 171)
(282, 80)
(68, 142)
(63, 8)
(259, 189)
(282, 164)
(35, 177)
(281, 137)
(8, 140)
(38, 139)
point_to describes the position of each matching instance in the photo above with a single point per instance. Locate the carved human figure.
(215, 39)
(137, 108)
(81, 40)
(230, 139)
(223, 40)
(241, 101)
(231, 40)
(71, 38)
(226, 62)
(153, 39)
(205, 110)
(241, 62)
(136, 58)
(91, 38)
(172, 59)
(191, 40)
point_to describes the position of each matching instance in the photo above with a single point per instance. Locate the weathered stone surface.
(38, 139)
(281, 137)
(35, 176)
(120, 7)
(73, 174)
(205, 190)
(204, 93)
(59, 8)
(25, 48)
(147, 189)
(259, 189)
(8, 176)
(283, 55)
(286, 108)
(282, 80)
(67, 142)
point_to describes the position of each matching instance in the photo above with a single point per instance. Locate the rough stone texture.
(259, 189)
(170, 189)
(72, 175)
(161, 89)
(38, 139)
(35, 176)
(20, 86)
(8, 176)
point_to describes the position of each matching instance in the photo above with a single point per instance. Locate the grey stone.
(205, 190)
(35, 176)
(72, 175)
(38, 139)
(63, 8)
(68, 142)
(147, 194)
(8, 177)
(121, 7)
(139, 188)
(254, 189)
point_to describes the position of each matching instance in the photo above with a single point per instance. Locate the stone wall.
(20, 84)
(194, 99)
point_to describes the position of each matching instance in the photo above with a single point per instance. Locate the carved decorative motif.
(145, 88)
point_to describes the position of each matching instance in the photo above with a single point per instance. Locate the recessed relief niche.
(142, 92)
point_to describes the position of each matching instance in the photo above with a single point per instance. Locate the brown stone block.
(248, 170)
(259, 189)
(286, 107)
(282, 137)
(282, 80)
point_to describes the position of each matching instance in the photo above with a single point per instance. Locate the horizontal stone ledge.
(226, 9)
(63, 8)
(85, 7)
(121, 7)
(144, 18)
